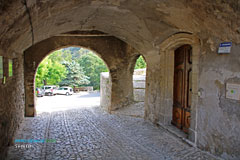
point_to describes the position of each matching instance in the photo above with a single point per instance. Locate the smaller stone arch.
(167, 49)
(139, 86)
(139, 80)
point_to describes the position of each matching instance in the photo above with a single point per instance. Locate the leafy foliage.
(93, 66)
(75, 75)
(74, 67)
(140, 63)
(50, 72)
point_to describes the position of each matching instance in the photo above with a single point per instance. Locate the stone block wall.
(139, 79)
(139, 87)
(105, 91)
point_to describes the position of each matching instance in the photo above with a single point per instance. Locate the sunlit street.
(63, 102)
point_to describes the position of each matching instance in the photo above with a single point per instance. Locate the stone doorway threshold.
(177, 133)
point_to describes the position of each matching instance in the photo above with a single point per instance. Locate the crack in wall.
(29, 18)
(92, 15)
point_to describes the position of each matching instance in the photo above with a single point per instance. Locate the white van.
(49, 90)
(65, 90)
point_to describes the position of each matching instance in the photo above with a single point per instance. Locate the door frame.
(167, 50)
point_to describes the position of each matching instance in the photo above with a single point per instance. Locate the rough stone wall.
(154, 81)
(11, 103)
(146, 25)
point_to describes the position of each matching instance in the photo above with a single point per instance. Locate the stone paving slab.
(92, 134)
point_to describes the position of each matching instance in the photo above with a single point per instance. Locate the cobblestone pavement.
(90, 133)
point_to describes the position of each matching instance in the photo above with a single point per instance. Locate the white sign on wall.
(225, 47)
(233, 91)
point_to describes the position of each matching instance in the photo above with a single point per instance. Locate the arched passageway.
(68, 78)
(154, 29)
(117, 55)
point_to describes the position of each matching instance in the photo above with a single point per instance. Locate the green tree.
(140, 63)
(66, 56)
(93, 66)
(61, 56)
(75, 75)
(41, 73)
(81, 67)
(50, 72)
(56, 72)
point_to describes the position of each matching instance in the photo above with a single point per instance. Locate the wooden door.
(182, 88)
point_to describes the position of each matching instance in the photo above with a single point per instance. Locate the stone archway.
(144, 25)
(118, 56)
(167, 49)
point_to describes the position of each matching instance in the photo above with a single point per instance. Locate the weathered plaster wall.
(153, 97)
(214, 119)
(11, 102)
(218, 119)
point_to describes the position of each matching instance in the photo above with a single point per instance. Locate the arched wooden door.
(182, 87)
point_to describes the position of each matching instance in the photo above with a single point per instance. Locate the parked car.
(65, 90)
(40, 92)
(50, 90)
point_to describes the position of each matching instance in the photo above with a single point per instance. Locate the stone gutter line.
(44, 147)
